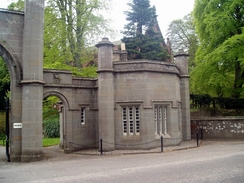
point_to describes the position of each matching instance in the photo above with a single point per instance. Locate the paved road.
(212, 162)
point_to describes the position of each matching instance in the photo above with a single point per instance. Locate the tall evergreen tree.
(143, 38)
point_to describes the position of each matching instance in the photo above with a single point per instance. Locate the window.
(160, 119)
(131, 120)
(83, 116)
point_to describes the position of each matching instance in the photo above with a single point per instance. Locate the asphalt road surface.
(212, 162)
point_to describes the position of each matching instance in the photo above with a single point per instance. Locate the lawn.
(45, 142)
(50, 141)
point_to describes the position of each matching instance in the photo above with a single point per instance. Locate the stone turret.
(182, 63)
(120, 55)
(106, 94)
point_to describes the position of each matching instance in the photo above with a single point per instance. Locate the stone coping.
(3, 10)
(145, 65)
(218, 118)
(83, 78)
(143, 61)
(57, 71)
(69, 86)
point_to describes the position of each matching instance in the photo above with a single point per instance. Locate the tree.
(79, 23)
(70, 28)
(4, 83)
(143, 38)
(182, 35)
(17, 6)
(220, 56)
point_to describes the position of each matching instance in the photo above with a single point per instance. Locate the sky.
(167, 11)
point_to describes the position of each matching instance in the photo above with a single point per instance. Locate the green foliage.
(4, 76)
(90, 72)
(140, 17)
(51, 126)
(18, 6)
(182, 35)
(70, 27)
(2, 123)
(220, 56)
(199, 101)
(143, 38)
(50, 142)
(50, 117)
(48, 107)
(206, 101)
(4, 83)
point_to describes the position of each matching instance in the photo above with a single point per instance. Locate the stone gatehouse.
(130, 103)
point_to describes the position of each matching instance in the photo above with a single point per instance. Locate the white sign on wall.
(17, 125)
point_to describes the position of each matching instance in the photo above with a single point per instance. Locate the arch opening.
(10, 77)
(55, 107)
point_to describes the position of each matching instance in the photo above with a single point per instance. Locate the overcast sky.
(167, 11)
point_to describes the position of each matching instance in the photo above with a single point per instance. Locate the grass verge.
(50, 142)
(45, 142)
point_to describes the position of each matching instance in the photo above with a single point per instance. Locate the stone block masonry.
(219, 128)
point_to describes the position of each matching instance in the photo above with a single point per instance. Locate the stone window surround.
(136, 119)
(83, 115)
(166, 133)
(83, 108)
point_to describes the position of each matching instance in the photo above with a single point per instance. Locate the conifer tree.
(143, 40)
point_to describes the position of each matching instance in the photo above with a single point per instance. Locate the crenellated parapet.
(146, 65)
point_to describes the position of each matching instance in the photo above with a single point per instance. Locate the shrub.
(51, 127)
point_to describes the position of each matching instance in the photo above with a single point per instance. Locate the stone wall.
(75, 93)
(219, 128)
(11, 31)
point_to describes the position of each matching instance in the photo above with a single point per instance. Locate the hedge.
(205, 101)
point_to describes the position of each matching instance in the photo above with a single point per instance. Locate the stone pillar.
(106, 94)
(116, 54)
(32, 83)
(182, 63)
(123, 55)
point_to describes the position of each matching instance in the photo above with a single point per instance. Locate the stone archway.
(15, 71)
(21, 46)
(11, 61)
(59, 95)
(63, 110)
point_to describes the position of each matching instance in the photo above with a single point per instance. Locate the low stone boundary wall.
(219, 127)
